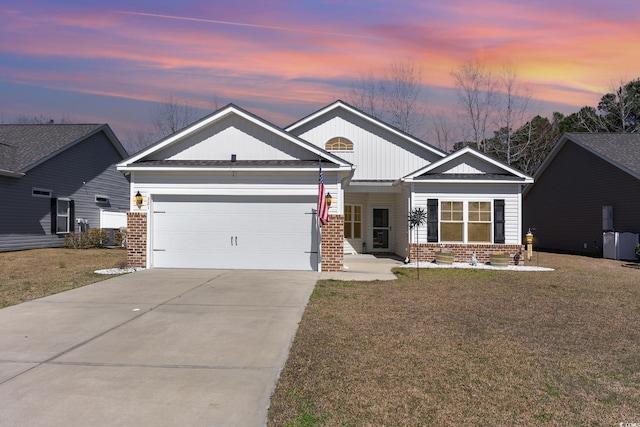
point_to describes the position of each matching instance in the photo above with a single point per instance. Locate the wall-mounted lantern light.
(139, 199)
(329, 199)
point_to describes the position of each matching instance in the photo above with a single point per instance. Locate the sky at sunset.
(114, 61)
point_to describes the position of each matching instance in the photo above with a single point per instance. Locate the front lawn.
(27, 275)
(469, 347)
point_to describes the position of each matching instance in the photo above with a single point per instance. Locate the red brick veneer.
(332, 244)
(137, 239)
(463, 253)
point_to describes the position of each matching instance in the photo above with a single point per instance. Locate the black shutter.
(498, 221)
(432, 220)
(72, 216)
(54, 215)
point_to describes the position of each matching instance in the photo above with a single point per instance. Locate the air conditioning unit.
(619, 245)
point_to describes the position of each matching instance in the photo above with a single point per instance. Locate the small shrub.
(638, 251)
(94, 238)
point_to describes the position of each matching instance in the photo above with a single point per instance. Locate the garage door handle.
(236, 240)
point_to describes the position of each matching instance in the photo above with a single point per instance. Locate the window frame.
(466, 220)
(350, 221)
(339, 141)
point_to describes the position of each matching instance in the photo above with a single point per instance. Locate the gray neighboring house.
(56, 179)
(589, 184)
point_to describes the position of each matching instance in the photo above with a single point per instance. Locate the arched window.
(339, 144)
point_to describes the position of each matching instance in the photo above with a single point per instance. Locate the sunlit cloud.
(296, 59)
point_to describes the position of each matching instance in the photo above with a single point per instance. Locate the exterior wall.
(79, 173)
(137, 239)
(565, 203)
(426, 252)
(332, 247)
(510, 193)
(378, 154)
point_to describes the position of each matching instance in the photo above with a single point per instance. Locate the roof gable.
(23, 147)
(333, 109)
(211, 141)
(622, 150)
(468, 164)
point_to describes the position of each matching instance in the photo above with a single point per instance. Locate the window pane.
(347, 230)
(357, 233)
(63, 207)
(357, 213)
(451, 231)
(479, 232)
(347, 213)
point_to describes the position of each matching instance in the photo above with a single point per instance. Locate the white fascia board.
(469, 181)
(134, 168)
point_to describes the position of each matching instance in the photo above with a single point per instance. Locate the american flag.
(323, 211)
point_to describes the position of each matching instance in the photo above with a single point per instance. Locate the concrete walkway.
(366, 267)
(151, 348)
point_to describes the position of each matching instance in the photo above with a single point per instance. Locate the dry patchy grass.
(27, 275)
(469, 347)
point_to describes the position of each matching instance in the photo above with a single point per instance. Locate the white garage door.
(232, 232)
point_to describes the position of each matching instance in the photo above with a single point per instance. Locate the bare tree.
(396, 96)
(365, 95)
(402, 94)
(172, 116)
(443, 130)
(476, 89)
(41, 119)
(512, 106)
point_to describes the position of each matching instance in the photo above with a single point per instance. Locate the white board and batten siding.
(378, 154)
(510, 193)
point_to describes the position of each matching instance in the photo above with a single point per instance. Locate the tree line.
(494, 111)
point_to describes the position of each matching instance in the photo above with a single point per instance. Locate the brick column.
(332, 244)
(137, 239)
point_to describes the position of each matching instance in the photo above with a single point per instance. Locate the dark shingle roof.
(621, 149)
(23, 145)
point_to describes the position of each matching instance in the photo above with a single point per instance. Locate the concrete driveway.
(152, 348)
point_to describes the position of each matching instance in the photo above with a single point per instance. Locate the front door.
(381, 229)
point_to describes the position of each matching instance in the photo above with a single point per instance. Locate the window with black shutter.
(62, 216)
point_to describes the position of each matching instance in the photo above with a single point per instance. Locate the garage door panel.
(235, 232)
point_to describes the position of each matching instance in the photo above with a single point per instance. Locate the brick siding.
(137, 239)
(463, 253)
(332, 244)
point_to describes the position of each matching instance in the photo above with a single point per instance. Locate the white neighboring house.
(235, 191)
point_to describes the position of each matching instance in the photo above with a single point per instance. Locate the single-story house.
(235, 191)
(587, 186)
(56, 179)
